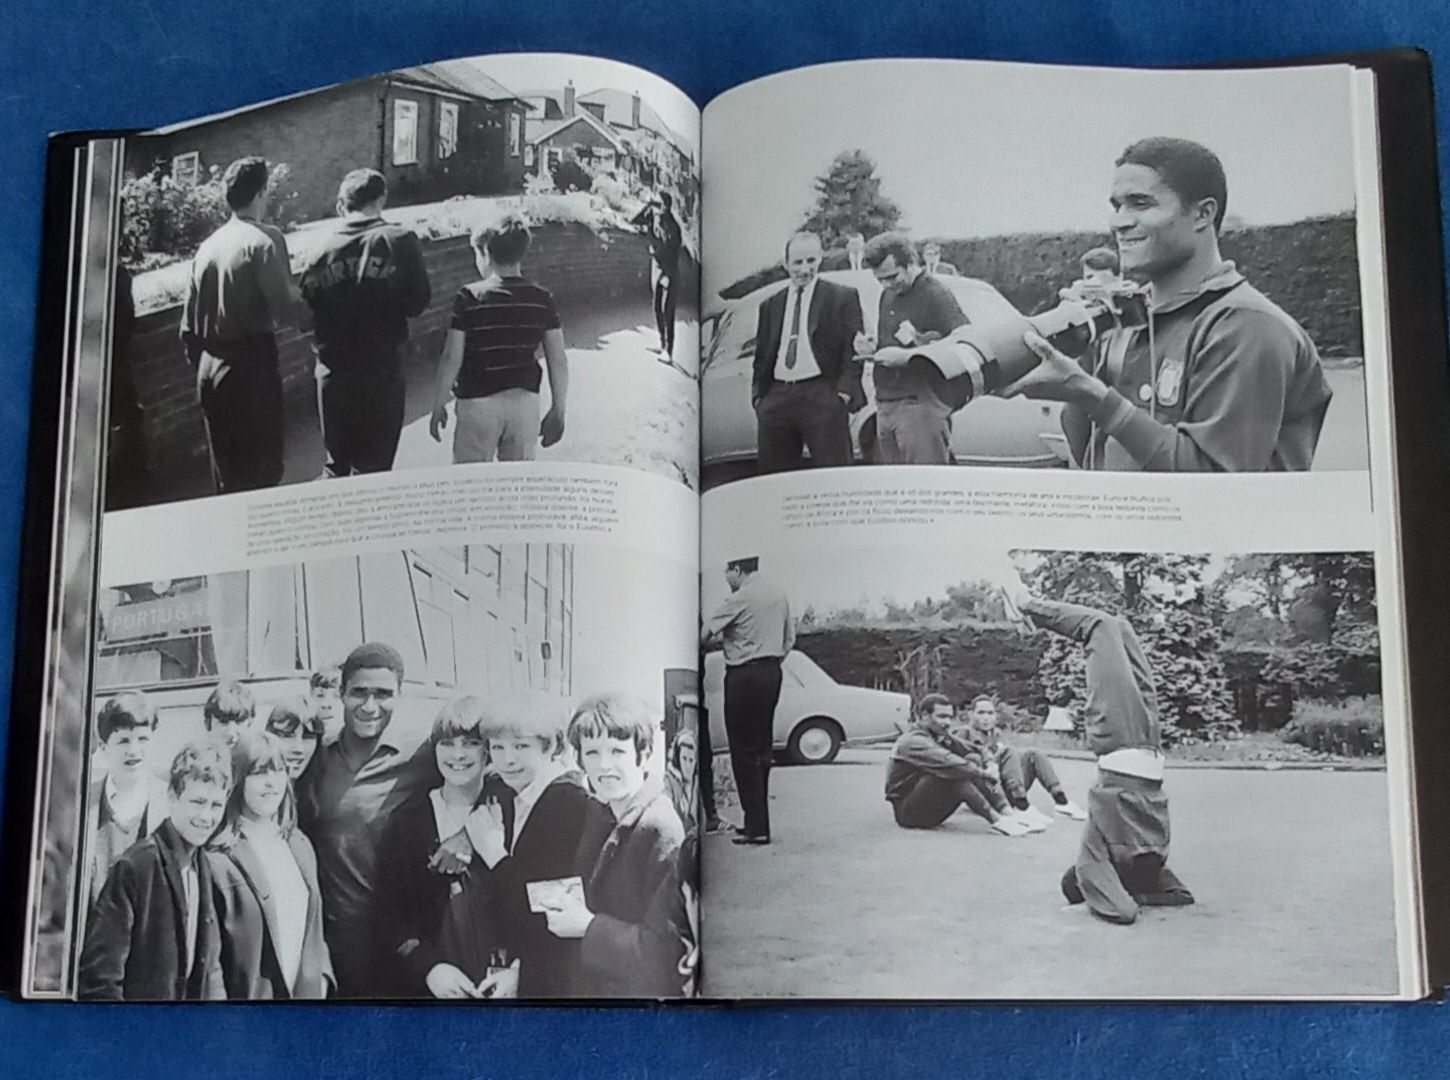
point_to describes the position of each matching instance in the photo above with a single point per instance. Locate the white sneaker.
(1072, 810)
(1035, 818)
(1010, 826)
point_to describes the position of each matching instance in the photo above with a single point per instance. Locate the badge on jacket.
(1170, 381)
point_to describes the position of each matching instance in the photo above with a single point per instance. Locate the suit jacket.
(831, 325)
(630, 869)
(247, 917)
(135, 946)
(99, 857)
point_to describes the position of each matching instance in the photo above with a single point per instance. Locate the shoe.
(753, 841)
(1035, 818)
(1010, 826)
(1072, 810)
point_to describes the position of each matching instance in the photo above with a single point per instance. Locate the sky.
(989, 149)
(634, 616)
(522, 72)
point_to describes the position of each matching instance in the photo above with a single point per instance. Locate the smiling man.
(344, 802)
(1221, 379)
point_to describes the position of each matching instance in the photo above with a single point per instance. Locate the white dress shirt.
(805, 360)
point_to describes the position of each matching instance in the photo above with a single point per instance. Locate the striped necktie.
(795, 327)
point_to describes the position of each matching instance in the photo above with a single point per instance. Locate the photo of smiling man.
(1221, 379)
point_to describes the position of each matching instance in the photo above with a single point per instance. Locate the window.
(405, 132)
(186, 169)
(516, 135)
(447, 129)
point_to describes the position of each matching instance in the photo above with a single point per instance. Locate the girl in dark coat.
(264, 881)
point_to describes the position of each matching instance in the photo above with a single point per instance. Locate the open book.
(499, 531)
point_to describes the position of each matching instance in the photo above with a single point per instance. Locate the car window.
(805, 671)
(734, 338)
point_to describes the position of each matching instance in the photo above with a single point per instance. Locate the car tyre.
(815, 741)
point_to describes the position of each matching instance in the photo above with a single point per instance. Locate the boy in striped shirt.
(490, 356)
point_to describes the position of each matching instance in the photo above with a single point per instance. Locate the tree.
(1163, 596)
(849, 199)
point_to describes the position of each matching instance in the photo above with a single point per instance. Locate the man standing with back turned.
(240, 293)
(755, 628)
(363, 286)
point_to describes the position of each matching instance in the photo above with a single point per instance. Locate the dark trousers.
(752, 690)
(793, 417)
(241, 402)
(1021, 768)
(362, 417)
(706, 768)
(663, 299)
(934, 799)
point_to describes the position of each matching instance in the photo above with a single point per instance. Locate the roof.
(449, 76)
(547, 129)
(619, 112)
(457, 76)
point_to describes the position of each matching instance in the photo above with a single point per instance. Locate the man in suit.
(807, 381)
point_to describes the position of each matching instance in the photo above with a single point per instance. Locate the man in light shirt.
(755, 629)
(1123, 861)
(806, 380)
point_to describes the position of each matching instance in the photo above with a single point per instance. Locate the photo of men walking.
(363, 286)
(755, 629)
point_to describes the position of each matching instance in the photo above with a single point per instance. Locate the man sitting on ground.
(1017, 768)
(932, 772)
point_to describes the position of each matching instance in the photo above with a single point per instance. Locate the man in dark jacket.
(363, 287)
(1122, 862)
(806, 381)
(666, 239)
(152, 934)
(931, 773)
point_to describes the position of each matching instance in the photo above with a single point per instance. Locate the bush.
(1351, 728)
(163, 221)
(571, 176)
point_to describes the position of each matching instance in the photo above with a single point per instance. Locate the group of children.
(521, 850)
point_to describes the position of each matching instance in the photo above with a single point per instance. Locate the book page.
(394, 586)
(1118, 339)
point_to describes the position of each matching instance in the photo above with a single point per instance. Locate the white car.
(987, 431)
(815, 714)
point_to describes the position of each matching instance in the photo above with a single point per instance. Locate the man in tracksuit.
(1221, 379)
(931, 773)
(1122, 862)
(364, 285)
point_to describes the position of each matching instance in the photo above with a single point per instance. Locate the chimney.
(569, 100)
(634, 111)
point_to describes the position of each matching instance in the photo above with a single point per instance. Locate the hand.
(551, 429)
(437, 422)
(446, 981)
(503, 983)
(892, 356)
(863, 343)
(1058, 377)
(570, 920)
(453, 855)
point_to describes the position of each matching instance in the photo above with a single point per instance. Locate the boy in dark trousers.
(1122, 863)
(152, 935)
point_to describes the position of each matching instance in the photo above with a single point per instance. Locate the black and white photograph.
(961, 772)
(461, 773)
(1033, 267)
(484, 259)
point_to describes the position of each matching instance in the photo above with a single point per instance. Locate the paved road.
(1291, 871)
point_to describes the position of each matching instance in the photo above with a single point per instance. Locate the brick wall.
(577, 266)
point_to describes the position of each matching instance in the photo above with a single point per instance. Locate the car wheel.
(816, 741)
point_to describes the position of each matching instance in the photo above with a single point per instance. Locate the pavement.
(1291, 871)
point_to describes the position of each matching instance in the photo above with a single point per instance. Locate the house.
(606, 130)
(435, 131)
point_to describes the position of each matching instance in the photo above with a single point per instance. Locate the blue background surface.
(68, 64)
